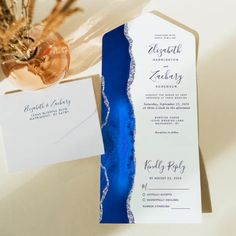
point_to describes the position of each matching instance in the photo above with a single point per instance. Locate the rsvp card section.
(164, 93)
(53, 125)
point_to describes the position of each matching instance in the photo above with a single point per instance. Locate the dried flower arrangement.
(14, 31)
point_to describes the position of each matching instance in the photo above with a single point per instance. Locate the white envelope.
(52, 125)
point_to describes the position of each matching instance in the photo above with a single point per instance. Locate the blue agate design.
(118, 162)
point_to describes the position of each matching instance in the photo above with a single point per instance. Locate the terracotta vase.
(46, 65)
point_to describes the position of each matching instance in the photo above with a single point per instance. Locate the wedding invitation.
(150, 169)
(52, 125)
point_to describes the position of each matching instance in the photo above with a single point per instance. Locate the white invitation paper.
(52, 125)
(164, 94)
(157, 177)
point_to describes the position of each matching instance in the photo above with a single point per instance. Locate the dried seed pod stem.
(57, 17)
(54, 11)
(31, 11)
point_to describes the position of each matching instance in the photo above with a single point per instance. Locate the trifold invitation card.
(52, 125)
(150, 170)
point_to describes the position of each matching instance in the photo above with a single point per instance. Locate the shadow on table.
(61, 200)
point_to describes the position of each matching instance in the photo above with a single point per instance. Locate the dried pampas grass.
(14, 30)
